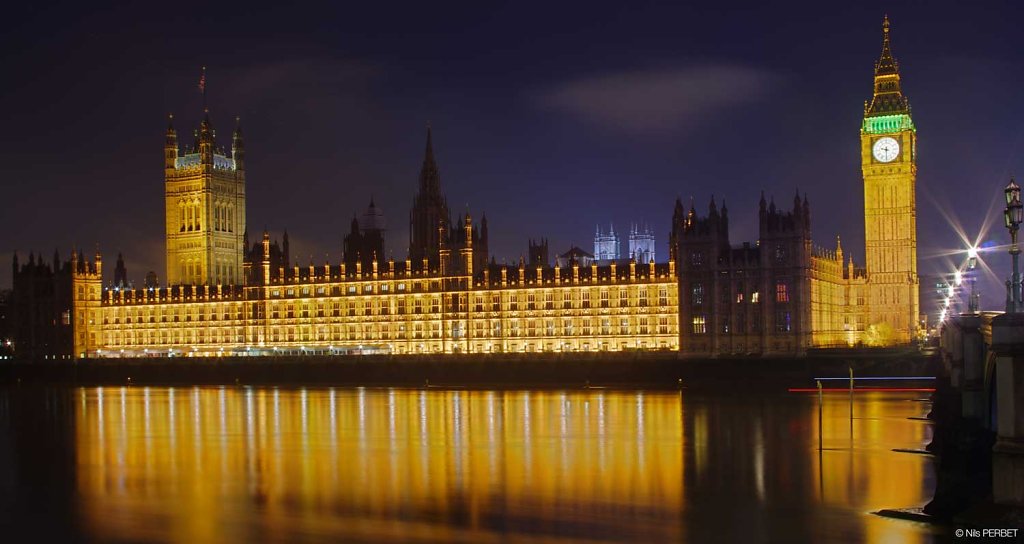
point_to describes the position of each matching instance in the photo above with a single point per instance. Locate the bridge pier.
(1008, 453)
(965, 354)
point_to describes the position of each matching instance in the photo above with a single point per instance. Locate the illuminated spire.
(888, 96)
(886, 63)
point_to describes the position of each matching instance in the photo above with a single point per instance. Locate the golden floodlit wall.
(838, 309)
(325, 312)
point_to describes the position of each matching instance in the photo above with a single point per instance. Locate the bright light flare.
(959, 258)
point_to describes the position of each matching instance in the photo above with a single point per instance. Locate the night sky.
(548, 117)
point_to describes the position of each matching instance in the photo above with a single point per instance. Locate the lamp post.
(1012, 216)
(972, 262)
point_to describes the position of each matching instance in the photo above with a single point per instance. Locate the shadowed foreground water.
(292, 465)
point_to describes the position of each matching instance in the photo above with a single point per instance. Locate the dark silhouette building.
(280, 263)
(433, 239)
(40, 307)
(365, 243)
(120, 275)
(429, 218)
(538, 252)
(747, 299)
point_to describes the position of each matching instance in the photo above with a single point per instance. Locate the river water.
(211, 464)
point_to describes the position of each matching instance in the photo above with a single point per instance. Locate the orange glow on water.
(218, 464)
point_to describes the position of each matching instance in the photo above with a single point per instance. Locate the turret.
(677, 213)
(467, 245)
(285, 250)
(238, 146)
(807, 213)
(170, 146)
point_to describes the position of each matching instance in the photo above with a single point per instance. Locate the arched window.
(181, 212)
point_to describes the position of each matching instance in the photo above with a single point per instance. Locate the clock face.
(885, 149)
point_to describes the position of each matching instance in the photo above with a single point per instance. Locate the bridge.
(983, 354)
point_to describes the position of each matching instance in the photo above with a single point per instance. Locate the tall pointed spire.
(430, 177)
(886, 63)
(888, 97)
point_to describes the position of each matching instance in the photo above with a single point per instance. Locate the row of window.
(366, 332)
(698, 298)
(190, 216)
(783, 323)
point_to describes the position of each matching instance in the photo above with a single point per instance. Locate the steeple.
(430, 178)
(888, 96)
(886, 63)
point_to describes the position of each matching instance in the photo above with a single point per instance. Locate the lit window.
(781, 291)
(699, 324)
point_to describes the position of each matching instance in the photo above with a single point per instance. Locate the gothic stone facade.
(399, 309)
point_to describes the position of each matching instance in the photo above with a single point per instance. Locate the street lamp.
(1012, 216)
(972, 262)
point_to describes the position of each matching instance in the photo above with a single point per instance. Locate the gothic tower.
(204, 193)
(429, 217)
(888, 142)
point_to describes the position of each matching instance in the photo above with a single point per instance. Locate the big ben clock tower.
(888, 143)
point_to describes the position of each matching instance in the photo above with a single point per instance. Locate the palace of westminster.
(228, 295)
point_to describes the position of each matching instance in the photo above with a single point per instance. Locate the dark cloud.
(660, 100)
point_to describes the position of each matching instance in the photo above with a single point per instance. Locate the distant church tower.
(429, 218)
(606, 245)
(888, 142)
(204, 192)
(641, 243)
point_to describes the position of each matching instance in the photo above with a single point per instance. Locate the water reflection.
(216, 464)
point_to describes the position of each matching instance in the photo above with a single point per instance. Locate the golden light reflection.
(217, 464)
